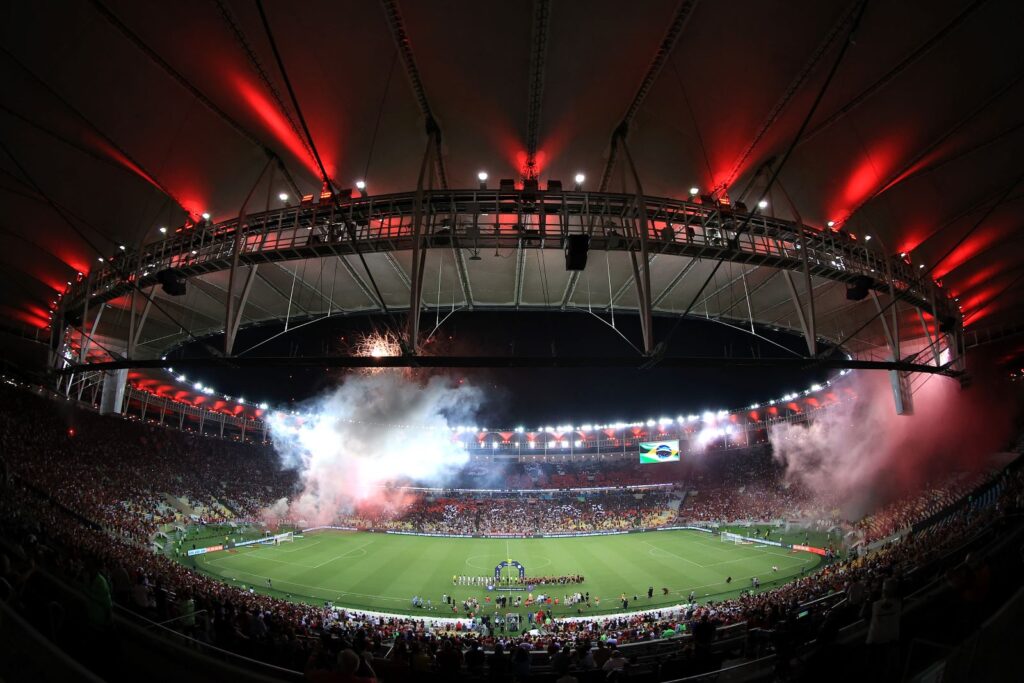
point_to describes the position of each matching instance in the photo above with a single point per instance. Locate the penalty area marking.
(325, 589)
(262, 556)
(654, 547)
(282, 551)
(345, 554)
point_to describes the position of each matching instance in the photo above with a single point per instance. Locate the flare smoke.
(862, 453)
(373, 429)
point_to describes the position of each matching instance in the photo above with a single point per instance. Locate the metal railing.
(474, 219)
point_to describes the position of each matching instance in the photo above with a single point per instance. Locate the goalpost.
(286, 537)
(729, 537)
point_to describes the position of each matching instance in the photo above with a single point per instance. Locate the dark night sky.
(540, 396)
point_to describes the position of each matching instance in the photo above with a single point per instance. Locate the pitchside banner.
(659, 451)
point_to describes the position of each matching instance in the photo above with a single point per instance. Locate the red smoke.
(862, 453)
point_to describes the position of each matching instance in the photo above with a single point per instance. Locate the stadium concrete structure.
(177, 174)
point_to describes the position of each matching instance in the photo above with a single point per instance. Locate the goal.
(729, 537)
(286, 537)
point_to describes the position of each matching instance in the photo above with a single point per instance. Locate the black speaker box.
(171, 281)
(859, 288)
(576, 248)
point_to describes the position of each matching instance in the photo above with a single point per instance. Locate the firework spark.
(377, 345)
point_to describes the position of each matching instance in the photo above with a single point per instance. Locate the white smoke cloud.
(371, 430)
(862, 453)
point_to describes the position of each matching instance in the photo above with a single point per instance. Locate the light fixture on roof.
(903, 254)
(831, 224)
(694, 191)
(763, 204)
(206, 216)
(194, 252)
(100, 259)
(579, 181)
(361, 186)
(482, 177)
(163, 230)
(921, 265)
(121, 247)
(867, 238)
(283, 196)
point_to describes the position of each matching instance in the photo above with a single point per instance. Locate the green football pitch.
(382, 572)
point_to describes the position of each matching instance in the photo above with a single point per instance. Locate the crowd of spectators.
(81, 504)
(120, 473)
(901, 513)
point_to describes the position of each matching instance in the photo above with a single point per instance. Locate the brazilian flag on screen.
(659, 451)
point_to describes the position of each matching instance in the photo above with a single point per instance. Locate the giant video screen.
(659, 451)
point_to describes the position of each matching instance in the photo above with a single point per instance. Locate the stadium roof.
(118, 118)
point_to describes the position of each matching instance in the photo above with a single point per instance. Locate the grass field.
(382, 571)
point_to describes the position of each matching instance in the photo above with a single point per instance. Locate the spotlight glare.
(163, 231)
(694, 191)
(482, 176)
(580, 178)
(283, 196)
(763, 204)
(206, 216)
(121, 247)
(831, 224)
(360, 185)
(867, 238)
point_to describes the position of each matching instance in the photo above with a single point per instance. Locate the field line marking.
(345, 554)
(695, 564)
(296, 549)
(262, 558)
(326, 589)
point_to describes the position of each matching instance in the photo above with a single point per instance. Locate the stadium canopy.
(836, 150)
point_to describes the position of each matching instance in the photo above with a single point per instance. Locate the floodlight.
(283, 196)
(763, 204)
(694, 191)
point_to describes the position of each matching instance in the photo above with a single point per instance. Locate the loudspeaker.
(576, 248)
(858, 289)
(171, 281)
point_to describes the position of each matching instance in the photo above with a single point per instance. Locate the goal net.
(286, 537)
(729, 537)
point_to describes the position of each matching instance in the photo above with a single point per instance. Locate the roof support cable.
(193, 90)
(85, 238)
(744, 226)
(925, 272)
(350, 230)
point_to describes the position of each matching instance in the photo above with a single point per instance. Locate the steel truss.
(520, 221)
